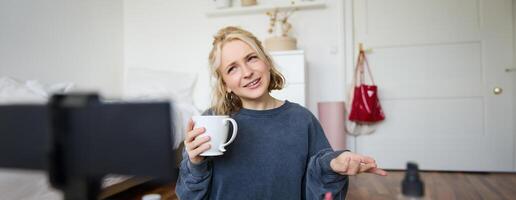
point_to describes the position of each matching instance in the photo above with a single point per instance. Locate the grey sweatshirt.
(280, 153)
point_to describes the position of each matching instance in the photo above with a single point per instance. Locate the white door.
(437, 63)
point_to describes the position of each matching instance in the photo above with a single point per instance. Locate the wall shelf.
(238, 10)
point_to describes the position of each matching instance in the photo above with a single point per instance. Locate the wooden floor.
(438, 186)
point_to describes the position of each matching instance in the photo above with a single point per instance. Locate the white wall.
(63, 40)
(174, 34)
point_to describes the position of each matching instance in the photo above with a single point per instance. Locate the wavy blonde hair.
(224, 103)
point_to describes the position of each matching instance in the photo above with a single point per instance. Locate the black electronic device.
(78, 139)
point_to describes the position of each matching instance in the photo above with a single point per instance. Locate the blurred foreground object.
(77, 139)
(412, 187)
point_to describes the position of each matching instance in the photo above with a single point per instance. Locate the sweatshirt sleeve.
(194, 179)
(320, 178)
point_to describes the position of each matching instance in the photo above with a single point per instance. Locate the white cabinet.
(292, 65)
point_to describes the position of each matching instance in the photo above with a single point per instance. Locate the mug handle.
(233, 135)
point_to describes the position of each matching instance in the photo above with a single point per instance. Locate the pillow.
(149, 84)
(32, 91)
(152, 84)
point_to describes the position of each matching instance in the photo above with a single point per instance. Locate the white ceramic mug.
(217, 127)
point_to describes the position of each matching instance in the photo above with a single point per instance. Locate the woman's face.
(244, 73)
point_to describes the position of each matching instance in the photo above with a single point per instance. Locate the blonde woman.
(281, 151)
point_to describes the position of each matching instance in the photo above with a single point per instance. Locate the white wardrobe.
(292, 65)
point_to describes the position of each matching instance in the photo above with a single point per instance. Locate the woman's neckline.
(246, 111)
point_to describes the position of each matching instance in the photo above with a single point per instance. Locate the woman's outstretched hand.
(195, 145)
(348, 163)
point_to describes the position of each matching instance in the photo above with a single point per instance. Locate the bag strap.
(368, 68)
(359, 69)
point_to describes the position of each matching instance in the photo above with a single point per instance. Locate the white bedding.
(13, 90)
(142, 85)
(158, 84)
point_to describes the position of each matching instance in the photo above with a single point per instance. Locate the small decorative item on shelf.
(248, 2)
(282, 42)
(222, 3)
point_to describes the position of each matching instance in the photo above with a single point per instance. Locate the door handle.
(510, 70)
(497, 90)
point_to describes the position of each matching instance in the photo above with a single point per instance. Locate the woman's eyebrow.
(229, 65)
(234, 62)
(249, 55)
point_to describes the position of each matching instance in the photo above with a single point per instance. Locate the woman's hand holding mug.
(196, 145)
(207, 136)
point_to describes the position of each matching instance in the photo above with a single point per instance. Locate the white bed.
(139, 85)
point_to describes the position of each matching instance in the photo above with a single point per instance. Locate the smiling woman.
(246, 75)
(238, 52)
(280, 151)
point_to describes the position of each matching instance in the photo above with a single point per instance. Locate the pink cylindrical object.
(332, 117)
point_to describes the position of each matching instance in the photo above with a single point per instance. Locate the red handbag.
(365, 106)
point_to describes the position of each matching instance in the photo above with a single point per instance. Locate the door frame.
(514, 79)
(346, 53)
